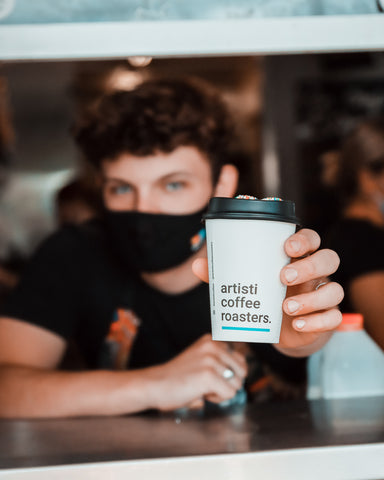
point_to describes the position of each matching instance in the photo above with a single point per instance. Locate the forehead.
(186, 160)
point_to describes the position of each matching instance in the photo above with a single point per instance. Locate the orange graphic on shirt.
(197, 240)
(122, 333)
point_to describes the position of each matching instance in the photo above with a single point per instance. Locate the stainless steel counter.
(319, 439)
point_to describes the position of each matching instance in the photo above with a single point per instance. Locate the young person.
(123, 286)
(359, 184)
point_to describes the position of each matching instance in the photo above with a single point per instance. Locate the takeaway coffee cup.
(245, 241)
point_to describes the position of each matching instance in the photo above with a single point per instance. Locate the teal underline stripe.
(247, 329)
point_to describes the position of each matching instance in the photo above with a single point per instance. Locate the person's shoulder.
(351, 224)
(359, 244)
(360, 224)
(351, 231)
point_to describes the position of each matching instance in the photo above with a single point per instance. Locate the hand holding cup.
(310, 314)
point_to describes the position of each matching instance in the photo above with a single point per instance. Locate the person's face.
(179, 182)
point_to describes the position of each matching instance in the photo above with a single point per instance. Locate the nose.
(145, 202)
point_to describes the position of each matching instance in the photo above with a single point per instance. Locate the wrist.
(152, 386)
(130, 391)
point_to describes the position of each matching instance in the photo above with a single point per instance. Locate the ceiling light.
(139, 62)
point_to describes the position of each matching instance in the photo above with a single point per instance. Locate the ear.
(227, 183)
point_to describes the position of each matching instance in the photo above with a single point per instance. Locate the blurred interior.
(290, 112)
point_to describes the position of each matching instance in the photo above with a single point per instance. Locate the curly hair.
(158, 116)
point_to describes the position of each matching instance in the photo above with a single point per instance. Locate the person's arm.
(367, 297)
(310, 314)
(31, 387)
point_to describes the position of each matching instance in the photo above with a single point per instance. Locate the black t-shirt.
(360, 246)
(74, 285)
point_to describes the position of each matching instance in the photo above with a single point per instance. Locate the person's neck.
(365, 209)
(178, 279)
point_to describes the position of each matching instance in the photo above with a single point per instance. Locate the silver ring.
(228, 374)
(321, 284)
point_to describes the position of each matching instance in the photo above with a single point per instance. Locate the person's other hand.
(310, 307)
(199, 372)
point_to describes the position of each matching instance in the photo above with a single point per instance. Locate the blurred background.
(291, 110)
(41, 101)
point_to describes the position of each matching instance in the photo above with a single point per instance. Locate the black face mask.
(149, 242)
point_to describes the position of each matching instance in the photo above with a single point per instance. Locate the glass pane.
(64, 11)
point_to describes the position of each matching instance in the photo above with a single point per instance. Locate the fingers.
(235, 362)
(326, 297)
(301, 243)
(225, 357)
(314, 310)
(318, 322)
(199, 371)
(219, 386)
(320, 264)
(213, 398)
(196, 404)
(218, 361)
(235, 382)
(200, 269)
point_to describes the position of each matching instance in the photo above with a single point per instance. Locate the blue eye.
(122, 189)
(173, 186)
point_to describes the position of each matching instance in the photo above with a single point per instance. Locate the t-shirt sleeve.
(48, 292)
(361, 250)
(366, 256)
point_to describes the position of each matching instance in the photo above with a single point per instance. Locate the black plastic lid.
(278, 210)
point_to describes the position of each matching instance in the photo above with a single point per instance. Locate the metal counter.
(294, 439)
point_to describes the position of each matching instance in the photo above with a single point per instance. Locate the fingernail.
(299, 324)
(292, 306)
(295, 246)
(290, 274)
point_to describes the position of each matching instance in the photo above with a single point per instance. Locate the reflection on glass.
(63, 11)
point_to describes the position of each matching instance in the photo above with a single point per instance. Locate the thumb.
(200, 269)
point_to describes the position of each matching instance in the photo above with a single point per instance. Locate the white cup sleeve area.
(245, 258)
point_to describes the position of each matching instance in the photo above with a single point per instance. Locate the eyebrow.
(165, 177)
(174, 174)
(113, 179)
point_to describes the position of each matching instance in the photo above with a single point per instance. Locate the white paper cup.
(245, 241)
